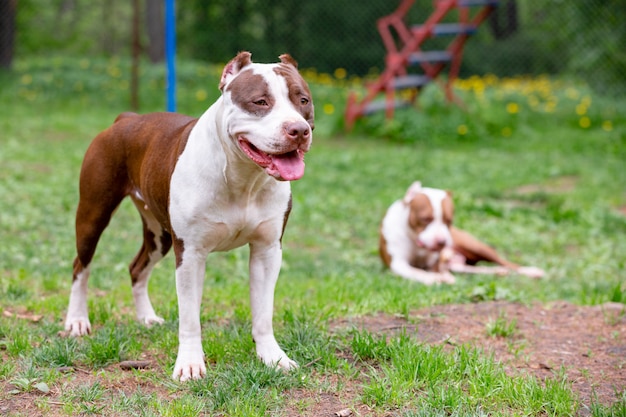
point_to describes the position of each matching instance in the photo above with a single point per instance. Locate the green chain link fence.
(582, 38)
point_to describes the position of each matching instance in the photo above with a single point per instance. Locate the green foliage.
(501, 326)
(458, 383)
(58, 352)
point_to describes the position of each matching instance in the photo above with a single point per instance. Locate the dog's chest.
(226, 219)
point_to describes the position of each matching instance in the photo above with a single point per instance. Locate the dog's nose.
(298, 132)
(440, 243)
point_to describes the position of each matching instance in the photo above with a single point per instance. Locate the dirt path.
(588, 342)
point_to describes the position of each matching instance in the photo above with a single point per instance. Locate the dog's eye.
(260, 102)
(304, 101)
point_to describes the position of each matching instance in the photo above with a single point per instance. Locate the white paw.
(78, 326)
(274, 356)
(151, 320)
(189, 364)
(531, 271)
(446, 278)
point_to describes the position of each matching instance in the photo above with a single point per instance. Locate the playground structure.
(404, 50)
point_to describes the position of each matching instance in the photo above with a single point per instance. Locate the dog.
(418, 241)
(201, 185)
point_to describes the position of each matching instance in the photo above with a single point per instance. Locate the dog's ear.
(414, 189)
(234, 66)
(288, 59)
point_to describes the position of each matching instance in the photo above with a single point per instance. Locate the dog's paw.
(189, 365)
(149, 321)
(445, 278)
(274, 356)
(531, 271)
(77, 326)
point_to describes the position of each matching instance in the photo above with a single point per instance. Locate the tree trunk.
(7, 32)
(136, 51)
(155, 25)
(504, 20)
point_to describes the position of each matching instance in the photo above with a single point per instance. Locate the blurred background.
(583, 38)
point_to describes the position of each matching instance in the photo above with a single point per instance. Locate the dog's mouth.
(287, 166)
(434, 247)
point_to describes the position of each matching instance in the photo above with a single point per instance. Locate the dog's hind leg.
(92, 217)
(156, 243)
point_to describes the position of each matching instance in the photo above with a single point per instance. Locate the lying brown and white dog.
(418, 241)
(201, 185)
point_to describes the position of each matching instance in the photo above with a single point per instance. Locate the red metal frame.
(408, 41)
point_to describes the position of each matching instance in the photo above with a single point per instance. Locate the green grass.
(537, 185)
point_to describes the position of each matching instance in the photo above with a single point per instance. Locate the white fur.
(77, 320)
(417, 255)
(218, 202)
(402, 247)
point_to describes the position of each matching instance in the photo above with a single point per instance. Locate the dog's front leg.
(265, 264)
(189, 282)
(405, 270)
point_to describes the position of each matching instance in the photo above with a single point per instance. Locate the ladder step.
(470, 3)
(410, 81)
(446, 29)
(429, 56)
(380, 105)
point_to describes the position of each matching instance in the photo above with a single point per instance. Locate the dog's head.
(270, 113)
(430, 215)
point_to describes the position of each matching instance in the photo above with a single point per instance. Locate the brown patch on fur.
(251, 93)
(447, 209)
(285, 218)
(234, 66)
(382, 248)
(288, 59)
(299, 93)
(421, 212)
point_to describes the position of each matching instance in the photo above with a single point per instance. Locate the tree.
(155, 27)
(7, 32)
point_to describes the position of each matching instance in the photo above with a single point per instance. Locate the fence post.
(170, 53)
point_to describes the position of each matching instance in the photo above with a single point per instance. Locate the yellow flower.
(550, 106)
(512, 108)
(329, 108)
(572, 93)
(581, 109)
(201, 95)
(533, 101)
(584, 122)
(114, 72)
(325, 79)
(607, 125)
(491, 79)
(462, 130)
(340, 73)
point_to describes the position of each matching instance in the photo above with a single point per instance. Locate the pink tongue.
(290, 166)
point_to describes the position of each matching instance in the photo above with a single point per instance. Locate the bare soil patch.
(588, 343)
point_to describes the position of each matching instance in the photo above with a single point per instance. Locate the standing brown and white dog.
(418, 241)
(202, 185)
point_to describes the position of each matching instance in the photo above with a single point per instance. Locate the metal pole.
(170, 53)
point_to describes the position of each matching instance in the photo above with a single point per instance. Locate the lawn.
(537, 168)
